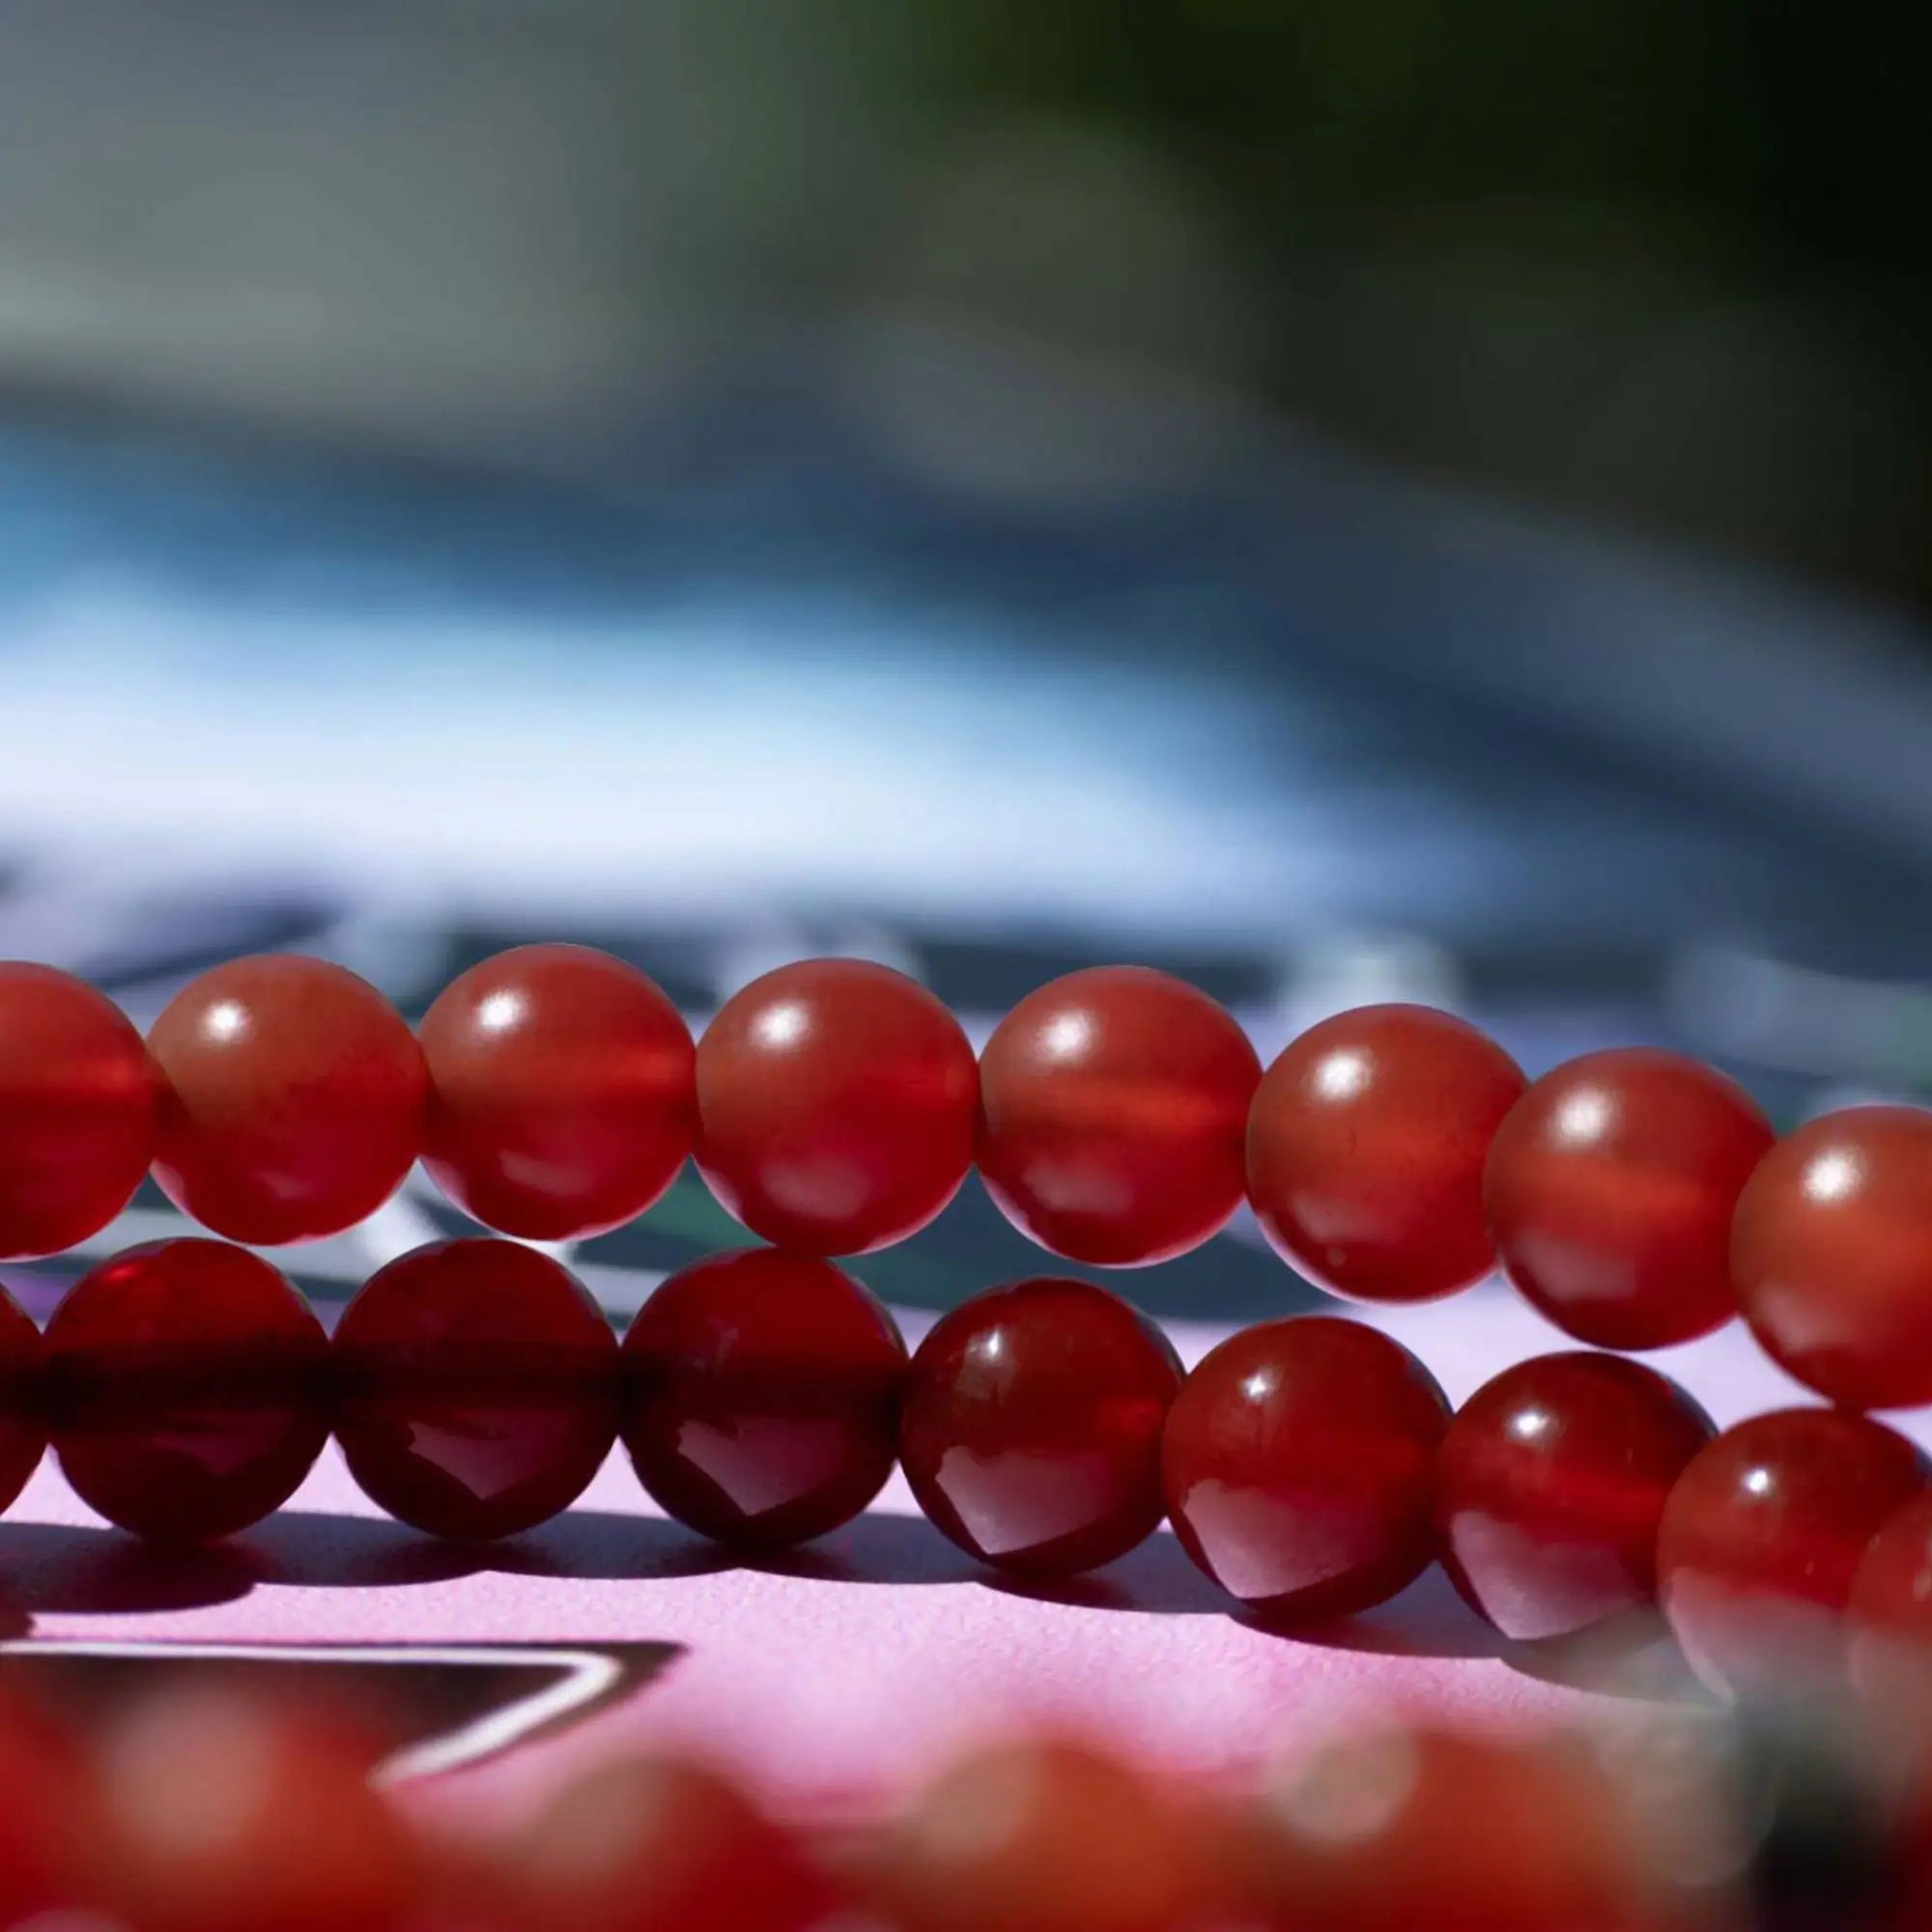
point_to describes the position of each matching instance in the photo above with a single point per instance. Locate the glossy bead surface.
(185, 1389)
(561, 1091)
(835, 1106)
(1366, 1146)
(291, 1102)
(22, 1428)
(1040, 1837)
(1763, 1534)
(1609, 1190)
(76, 1111)
(1114, 1107)
(1299, 1463)
(1031, 1426)
(1549, 1487)
(476, 1388)
(1831, 1254)
(760, 1392)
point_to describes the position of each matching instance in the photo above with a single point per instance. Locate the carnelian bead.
(1040, 1837)
(292, 1098)
(1298, 1465)
(185, 1389)
(49, 1827)
(1366, 1144)
(1762, 1536)
(1549, 1486)
(476, 1388)
(1831, 1254)
(24, 1431)
(561, 1094)
(1030, 1428)
(1112, 1105)
(1609, 1190)
(835, 1106)
(761, 1391)
(1890, 1611)
(76, 1111)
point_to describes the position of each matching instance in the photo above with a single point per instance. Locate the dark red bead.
(1298, 1464)
(76, 1111)
(835, 1106)
(1366, 1145)
(562, 1096)
(1762, 1537)
(760, 1394)
(1891, 1613)
(1609, 1189)
(1112, 1111)
(292, 1102)
(1031, 1426)
(1549, 1487)
(185, 1389)
(1831, 1254)
(24, 1431)
(476, 1388)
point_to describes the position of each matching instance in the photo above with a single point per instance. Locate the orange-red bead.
(1366, 1145)
(22, 1427)
(1831, 1253)
(1031, 1425)
(1298, 1464)
(292, 1098)
(76, 1111)
(1609, 1189)
(1890, 1611)
(562, 1095)
(835, 1106)
(1114, 1107)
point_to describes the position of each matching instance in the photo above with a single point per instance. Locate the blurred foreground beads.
(76, 1111)
(293, 1099)
(1366, 1146)
(1114, 1103)
(835, 1106)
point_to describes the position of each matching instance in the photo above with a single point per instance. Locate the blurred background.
(1346, 499)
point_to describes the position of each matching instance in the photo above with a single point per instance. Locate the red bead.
(760, 1394)
(187, 1389)
(1831, 1253)
(1609, 1190)
(1549, 1486)
(655, 1845)
(1891, 1613)
(292, 1102)
(76, 1111)
(23, 1432)
(1042, 1836)
(561, 1091)
(1298, 1466)
(475, 1388)
(1763, 1534)
(49, 1822)
(1031, 1426)
(835, 1106)
(1366, 1146)
(1114, 1104)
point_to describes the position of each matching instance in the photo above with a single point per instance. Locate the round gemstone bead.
(561, 1091)
(1763, 1534)
(1891, 1613)
(1549, 1487)
(1366, 1145)
(292, 1098)
(476, 1388)
(76, 1111)
(185, 1389)
(1114, 1103)
(22, 1427)
(1831, 1254)
(1609, 1190)
(835, 1106)
(1031, 1425)
(1298, 1466)
(760, 1393)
